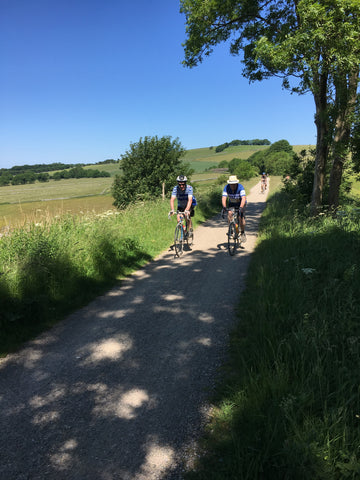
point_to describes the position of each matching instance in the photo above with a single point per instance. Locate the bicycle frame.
(181, 234)
(234, 239)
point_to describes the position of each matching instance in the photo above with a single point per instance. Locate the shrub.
(148, 164)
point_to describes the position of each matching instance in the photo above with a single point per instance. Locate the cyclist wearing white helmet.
(185, 199)
(234, 193)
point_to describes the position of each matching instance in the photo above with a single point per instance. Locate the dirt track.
(118, 390)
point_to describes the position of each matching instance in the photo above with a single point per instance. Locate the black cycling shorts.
(192, 211)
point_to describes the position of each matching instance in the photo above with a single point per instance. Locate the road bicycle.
(181, 236)
(234, 238)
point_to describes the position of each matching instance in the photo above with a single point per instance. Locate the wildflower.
(308, 271)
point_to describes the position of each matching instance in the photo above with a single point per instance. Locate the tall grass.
(289, 404)
(58, 263)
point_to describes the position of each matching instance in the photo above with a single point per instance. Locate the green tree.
(278, 163)
(275, 160)
(43, 177)
(281, 146)
(242, 168)
(146, 166)
(355, 137)
(5, 179)
(315, 42)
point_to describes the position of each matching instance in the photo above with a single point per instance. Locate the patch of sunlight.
(138, 300)
(44, 418)
(172, 297)
(122, 404)
(170, 308)
(164, 267)
(204, 341)
(110, 349)
(44, 340)
(115, 313)
(159, 458)
(31, 357)
(55, 394)
(62, 459)
(206, 318)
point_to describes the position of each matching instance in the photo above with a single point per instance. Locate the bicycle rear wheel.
(179, 240)
(232, 238)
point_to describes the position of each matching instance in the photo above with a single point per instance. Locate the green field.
(22, 204)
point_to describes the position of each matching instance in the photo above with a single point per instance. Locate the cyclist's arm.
(172, 202)
(243, 201)
(223, 200)
(189, 203)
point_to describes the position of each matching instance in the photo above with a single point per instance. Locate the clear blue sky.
(82, 79)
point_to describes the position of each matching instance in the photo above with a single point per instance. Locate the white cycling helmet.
(181, 179)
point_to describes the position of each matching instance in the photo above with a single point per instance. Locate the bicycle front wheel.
(232, 238)
(179, 240)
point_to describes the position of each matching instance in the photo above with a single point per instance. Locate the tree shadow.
(148, 354)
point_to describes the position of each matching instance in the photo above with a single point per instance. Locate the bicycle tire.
(232, 238)
(179, 240)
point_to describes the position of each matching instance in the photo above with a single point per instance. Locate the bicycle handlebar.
(177, 212)
(230, 209)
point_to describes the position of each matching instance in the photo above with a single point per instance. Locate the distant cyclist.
(186, 201)
(234, 195)
(263, 181)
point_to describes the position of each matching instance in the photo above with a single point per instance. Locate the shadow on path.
(118, 390)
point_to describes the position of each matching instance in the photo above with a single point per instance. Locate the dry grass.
(17, 215)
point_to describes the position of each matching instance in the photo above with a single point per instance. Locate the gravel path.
(118, 390)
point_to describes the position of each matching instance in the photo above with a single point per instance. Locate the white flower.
(308, 271)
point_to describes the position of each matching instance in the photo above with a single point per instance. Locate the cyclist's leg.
(242, 219)
(231, 212)
(242, 224)
(192, 213)
(180, 209)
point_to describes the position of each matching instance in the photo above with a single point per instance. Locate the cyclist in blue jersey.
(234, 194)
(185, 200)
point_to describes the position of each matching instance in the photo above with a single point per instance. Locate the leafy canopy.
(148, 164)
(243, 169)
(287, 38)
(275, 160)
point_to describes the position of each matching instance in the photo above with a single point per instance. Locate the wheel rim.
(178, 241)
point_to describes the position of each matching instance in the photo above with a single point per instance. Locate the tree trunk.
(163, 191)
(322, 129)
(346, 94)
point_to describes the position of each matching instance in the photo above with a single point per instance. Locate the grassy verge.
(289, 404)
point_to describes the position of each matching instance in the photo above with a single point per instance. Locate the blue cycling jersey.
(183, 195)
(234, 197)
